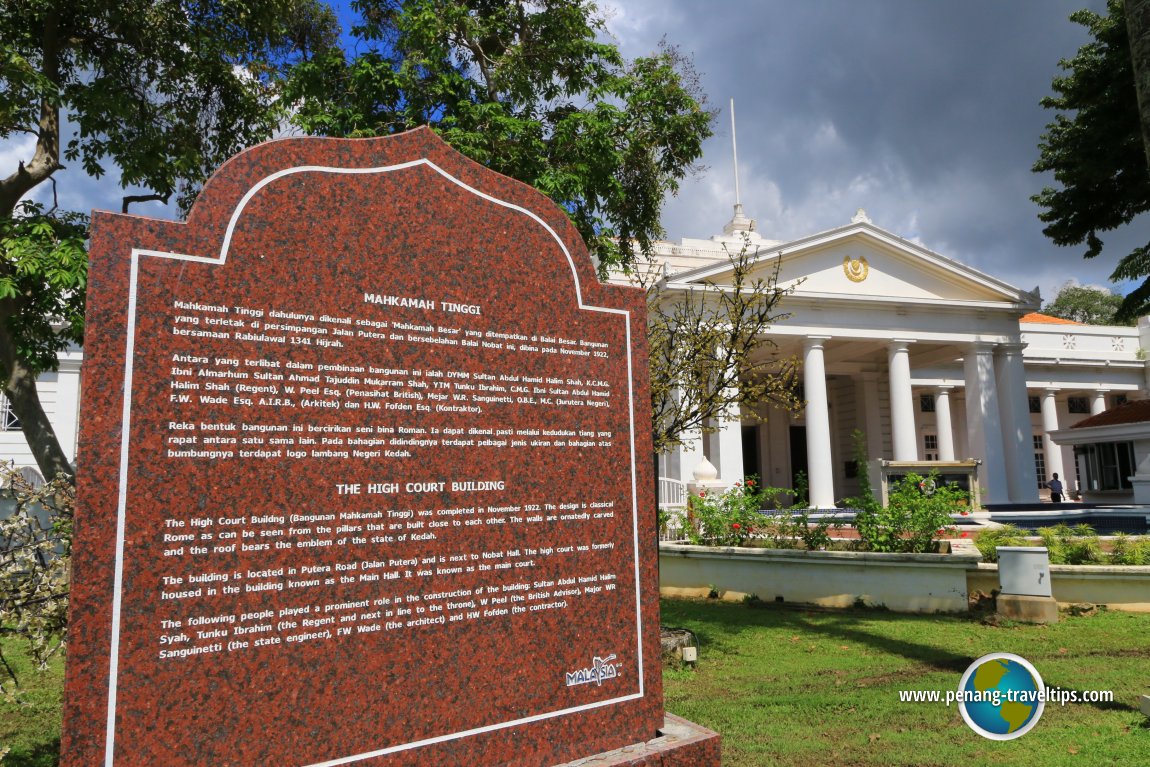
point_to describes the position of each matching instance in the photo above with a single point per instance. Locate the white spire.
(739, 222)
(735, 153)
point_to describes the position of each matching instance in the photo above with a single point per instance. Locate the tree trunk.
(19, 384)
(1138, 29)
(19, 381)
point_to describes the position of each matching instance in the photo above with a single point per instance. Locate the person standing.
(1055, 489)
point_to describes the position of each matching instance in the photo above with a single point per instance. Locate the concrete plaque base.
(1028, 609)
(680, 744)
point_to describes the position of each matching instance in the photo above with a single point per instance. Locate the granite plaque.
(364, 476)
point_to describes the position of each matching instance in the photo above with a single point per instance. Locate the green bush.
(1078, 545)
(1128, 550)
(919, 509)
(989, 540)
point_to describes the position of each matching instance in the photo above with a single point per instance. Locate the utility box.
(1024, 570)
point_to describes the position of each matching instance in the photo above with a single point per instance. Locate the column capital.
(815, 342)
(982, 347)
(1011, 348)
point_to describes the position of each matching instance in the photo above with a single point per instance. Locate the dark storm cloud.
(924, 113)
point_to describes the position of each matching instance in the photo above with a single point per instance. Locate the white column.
(903, 436)
(1017, 440)
(1098, 404)
(945, 427)
(818, 420)
(983, 430)
(872, 418)
(1049, 424)
(688, 455)
(729, 440)
(67, 413)
(725, 445)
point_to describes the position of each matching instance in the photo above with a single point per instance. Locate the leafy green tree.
(1138, 29)
(1081, 303)
(530, 89)
(1094, 149)
(161, 91)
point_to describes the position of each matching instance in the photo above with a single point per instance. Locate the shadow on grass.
(42, 755)
(843, 625)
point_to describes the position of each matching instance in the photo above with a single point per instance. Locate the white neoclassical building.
(931, 359)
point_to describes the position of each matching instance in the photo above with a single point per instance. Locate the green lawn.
(31, 728)
(797, 687)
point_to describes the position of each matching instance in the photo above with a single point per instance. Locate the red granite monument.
(364, 478)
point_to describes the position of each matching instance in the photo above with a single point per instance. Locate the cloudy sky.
(923, 112)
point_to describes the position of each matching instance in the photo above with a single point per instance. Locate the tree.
(161, 90)
(527, 88)
(1138, 30)
(1081, 303)
(706, 345)
(1094, 148)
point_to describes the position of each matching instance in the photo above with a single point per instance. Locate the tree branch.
(46, 159)
(130, 198)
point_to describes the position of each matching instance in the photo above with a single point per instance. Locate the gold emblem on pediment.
(856, 269)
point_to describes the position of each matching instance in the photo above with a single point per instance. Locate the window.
(930, 447)
(1108, 465)
(1035, 404)
(1119, 399)
(926, 403)
(1039, 459)
(1078, 404)
(8, 419)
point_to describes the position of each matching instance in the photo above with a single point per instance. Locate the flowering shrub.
(725, 519)
(752, 510)
(35, 549)
(918, 510)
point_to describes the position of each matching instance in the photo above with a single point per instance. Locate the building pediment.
(861, 261)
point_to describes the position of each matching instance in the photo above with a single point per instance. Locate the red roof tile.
(1131, 411)
(1046, 319)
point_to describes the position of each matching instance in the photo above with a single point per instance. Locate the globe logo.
(1001, 696)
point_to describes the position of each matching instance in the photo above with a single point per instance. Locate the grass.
(30, 728)
(788, 686)
(791, 687)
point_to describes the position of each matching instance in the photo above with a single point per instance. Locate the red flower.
(966, 535)
(965, 513)
(736, 525)
(750, 483)
(939, 531)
